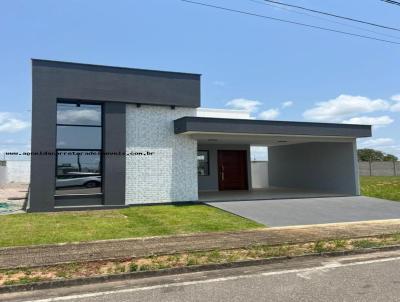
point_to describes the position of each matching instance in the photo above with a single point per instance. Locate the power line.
(322, 18)
(288, 21)
(392, 2)
(333, 15)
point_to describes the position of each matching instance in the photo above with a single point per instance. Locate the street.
(368, 277)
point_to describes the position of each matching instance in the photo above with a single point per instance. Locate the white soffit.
(262, 139)
(223, 113)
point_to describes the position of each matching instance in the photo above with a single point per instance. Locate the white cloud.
(9, 123)
(396, 98)
(269, 114)
(395, 107)
(12, 142)
(287, 104)
(219, 83)
(393, 149)
(82, 116)
(377, 121)
(377, 142)
(386, 145)
(344, 106)
(244, 104)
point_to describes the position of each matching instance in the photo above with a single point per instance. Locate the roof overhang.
(258, 130)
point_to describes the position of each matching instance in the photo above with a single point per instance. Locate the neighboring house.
(110, 137)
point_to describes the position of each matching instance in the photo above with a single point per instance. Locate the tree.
(370, 155)
(375, 155)
(390, 157)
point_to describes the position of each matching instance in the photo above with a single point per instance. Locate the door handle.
(222, 173)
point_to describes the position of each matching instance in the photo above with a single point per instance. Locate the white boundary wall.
(259, 171)
(15, 171)
(379, 168)
(259, 174)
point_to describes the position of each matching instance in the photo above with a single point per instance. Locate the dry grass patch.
(101, 268)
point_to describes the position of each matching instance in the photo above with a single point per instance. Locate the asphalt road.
(371, 277)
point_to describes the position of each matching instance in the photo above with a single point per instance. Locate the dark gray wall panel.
(114, 164)
(69, 201)
(113, 84)
(329, 167)
(43, 139)
(223, 125)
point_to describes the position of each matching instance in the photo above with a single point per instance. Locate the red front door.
(232, 170)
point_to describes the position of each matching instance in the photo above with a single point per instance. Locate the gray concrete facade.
(326, 167)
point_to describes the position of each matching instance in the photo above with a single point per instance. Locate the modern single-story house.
(112, 137)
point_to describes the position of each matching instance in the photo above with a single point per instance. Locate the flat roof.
(75, 64)
(190, 124)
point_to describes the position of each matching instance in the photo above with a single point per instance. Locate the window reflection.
(78, 172)
(202, 163)
(79, 142)
(78, 114)
(77, 137)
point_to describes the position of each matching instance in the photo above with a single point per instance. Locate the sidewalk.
(12, 198)
(141, 247)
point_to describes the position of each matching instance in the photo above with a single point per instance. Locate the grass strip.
(385, 187)
(133, 222)
(101, 268)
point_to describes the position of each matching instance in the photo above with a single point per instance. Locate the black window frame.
(81, 102)
(208, 162)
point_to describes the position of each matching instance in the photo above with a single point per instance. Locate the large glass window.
(78, 137)
(202, 163)
(79, 146)
(78, 114)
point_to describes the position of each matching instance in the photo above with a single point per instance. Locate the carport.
(304, 159)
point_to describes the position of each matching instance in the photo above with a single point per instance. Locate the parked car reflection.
(78, 183)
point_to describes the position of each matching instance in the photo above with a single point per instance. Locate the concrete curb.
(180, 270)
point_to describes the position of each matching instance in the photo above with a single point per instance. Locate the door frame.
(246, 178)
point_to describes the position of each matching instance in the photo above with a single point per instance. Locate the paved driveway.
(284, 212)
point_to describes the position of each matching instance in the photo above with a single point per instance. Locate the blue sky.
(276, 70)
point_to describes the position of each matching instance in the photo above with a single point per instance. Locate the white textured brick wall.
(170, 173)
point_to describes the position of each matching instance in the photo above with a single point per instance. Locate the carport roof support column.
(356, 169)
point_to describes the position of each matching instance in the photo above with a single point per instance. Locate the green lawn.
(386, 187)
(42, 228)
